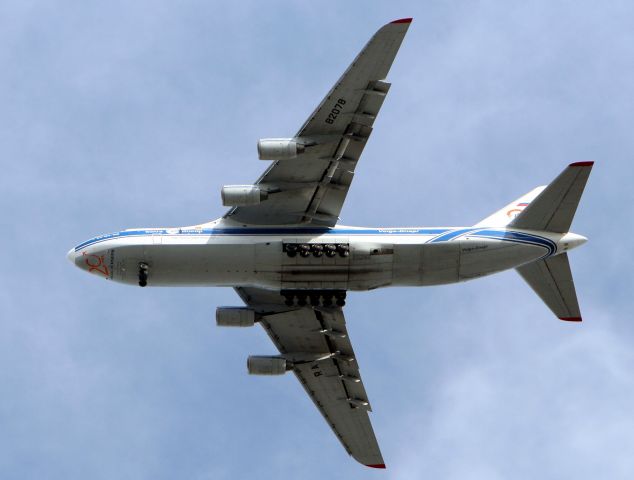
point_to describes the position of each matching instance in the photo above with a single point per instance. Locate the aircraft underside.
(308, 268)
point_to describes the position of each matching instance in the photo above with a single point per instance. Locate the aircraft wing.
(311, 188)
(333, 382)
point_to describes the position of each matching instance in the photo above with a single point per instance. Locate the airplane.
(281, 248)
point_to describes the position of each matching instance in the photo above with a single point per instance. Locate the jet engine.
(259, 365)
(279, 148)
(235, 317)
(242, 195)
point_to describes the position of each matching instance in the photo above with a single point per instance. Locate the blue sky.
(117, 115)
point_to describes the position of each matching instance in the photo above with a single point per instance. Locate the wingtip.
(378, 465)
(581, 164)
(570, 319)
(403, 20)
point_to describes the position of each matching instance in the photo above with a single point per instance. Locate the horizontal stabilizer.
(555, 207)
(551, 279)
(502, 217)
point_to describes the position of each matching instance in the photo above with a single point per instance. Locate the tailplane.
(551, 280)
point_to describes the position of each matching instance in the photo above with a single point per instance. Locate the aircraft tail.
(551, 279)
(554, 208)
(504, 216)
(549, 209)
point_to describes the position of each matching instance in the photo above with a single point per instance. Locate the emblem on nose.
(95, 263)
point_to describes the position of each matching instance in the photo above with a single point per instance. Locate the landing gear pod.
(279, 148)
(235, 317)
(259, 365)
(242, 195)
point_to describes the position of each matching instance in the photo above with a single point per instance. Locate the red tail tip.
(402, 20)
(570, 319)
(581, 164)
(378, 465)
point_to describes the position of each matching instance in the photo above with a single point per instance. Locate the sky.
(134, 114)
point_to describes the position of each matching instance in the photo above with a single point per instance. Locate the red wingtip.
(378, 465)
(402, 20)
(581, 164)
(570, 319)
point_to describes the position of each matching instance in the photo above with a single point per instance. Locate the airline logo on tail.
(514, 212)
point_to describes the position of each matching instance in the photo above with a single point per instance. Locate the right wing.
(332, 381)
(312, 188)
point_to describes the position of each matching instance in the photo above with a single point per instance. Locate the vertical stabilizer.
(502, 217)
(551, 279)
(555, 207)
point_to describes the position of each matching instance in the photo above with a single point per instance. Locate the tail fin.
(554, 208)
(551, 279)
(550, 209)
(502, 217)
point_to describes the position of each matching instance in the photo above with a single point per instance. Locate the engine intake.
(279, 148)
(242, 195)
(235, 317)
(260, 365)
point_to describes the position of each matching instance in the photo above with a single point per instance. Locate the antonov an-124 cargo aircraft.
(281, 248)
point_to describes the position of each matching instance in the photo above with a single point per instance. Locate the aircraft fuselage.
(312, 258)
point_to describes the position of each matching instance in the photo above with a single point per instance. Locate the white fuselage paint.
(215, 254)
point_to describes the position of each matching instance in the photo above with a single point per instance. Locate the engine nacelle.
(279, 148)
(259, 365)
(242, 195)
(235, 317)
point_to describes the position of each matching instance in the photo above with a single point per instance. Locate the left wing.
(316, 341)
(311, 188)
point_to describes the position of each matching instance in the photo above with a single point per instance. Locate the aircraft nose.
(71, 256)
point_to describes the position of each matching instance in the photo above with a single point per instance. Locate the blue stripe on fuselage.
(518, 237)
(264, 231)
(445, 237)
(504, 235)
(443, 234)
